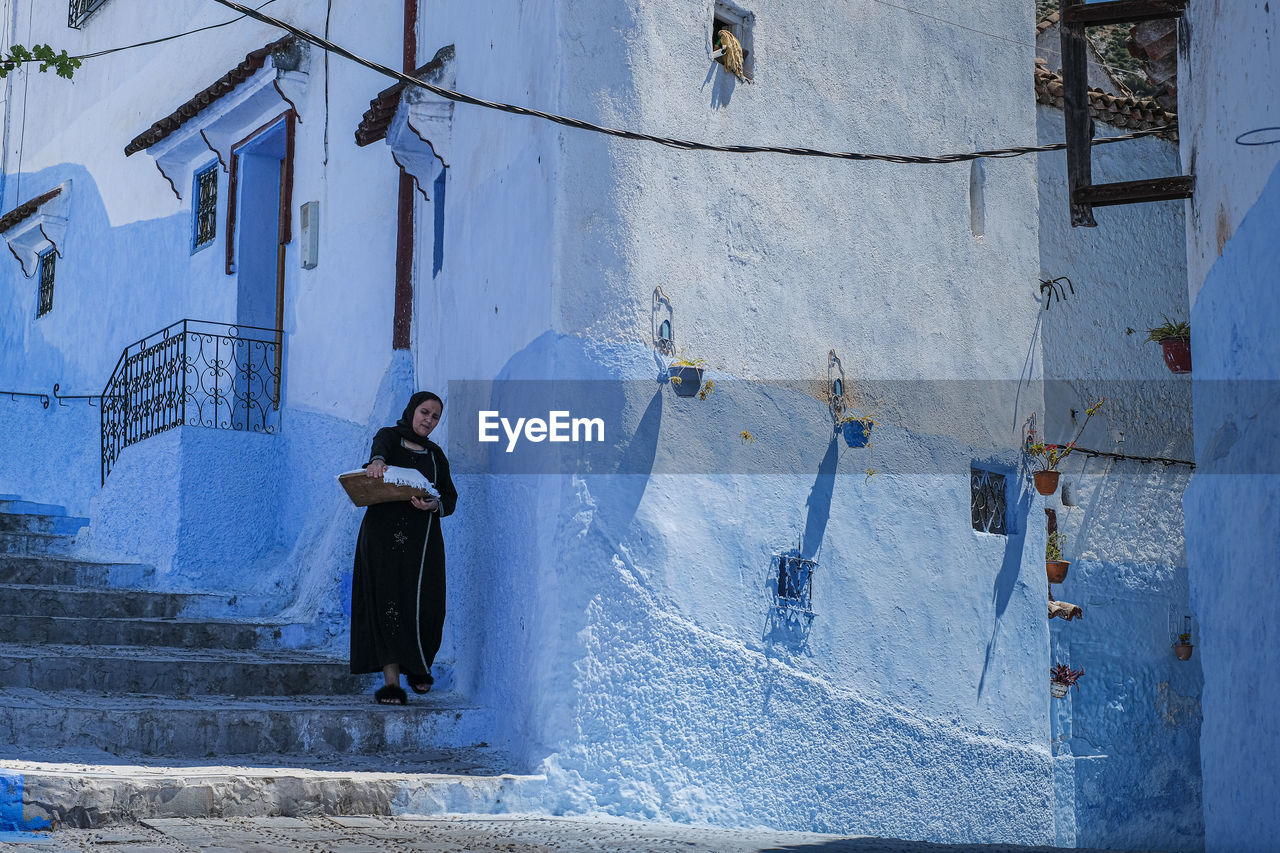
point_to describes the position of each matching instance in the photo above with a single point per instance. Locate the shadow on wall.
(1007, 578)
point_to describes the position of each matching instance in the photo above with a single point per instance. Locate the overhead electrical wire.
(166, 38)
(109, 50)
(682, 144)
(1031, 45)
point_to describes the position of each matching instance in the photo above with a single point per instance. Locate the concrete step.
(134, 631)
(174, 671)
(89, 602)
(89, 796)
(15, 504)
(311, 731)
(61, 571)
(26, 542)
(25, 523)
(52, 600)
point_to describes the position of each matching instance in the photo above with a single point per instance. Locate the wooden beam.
(1075, 111)
(1134, 192)
(1123, 12)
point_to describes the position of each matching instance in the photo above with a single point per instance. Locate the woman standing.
(397, 595)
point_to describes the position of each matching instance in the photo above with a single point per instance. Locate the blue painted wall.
(1126, 743)
(1233, 537)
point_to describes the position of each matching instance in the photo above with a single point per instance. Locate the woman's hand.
(376, 468)
(425, 504)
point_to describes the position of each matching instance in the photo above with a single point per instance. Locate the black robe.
(397, 589)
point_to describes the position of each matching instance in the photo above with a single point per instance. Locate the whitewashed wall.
(622, 621)
(1227, 58)
(1127, 742)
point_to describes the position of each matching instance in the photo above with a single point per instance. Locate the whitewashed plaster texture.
(622, 620)
(127, 270)
(1228, 57)
(1231, 535)
(1133, 725)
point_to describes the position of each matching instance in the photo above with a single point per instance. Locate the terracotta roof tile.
(222, 86)
(1130, 113)
(1046, 22)
(26, 209)
(373, 125)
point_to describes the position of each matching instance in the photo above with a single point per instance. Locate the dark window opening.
(206, 212)
(48, 263)
(987, 501)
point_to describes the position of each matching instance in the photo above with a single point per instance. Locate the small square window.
(738, 21)
(987, 501)
(206, 207)
(48, 265)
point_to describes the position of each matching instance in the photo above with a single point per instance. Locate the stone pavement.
(480, 833)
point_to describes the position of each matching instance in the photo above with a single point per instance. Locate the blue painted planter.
(690, 380)
(856, 433)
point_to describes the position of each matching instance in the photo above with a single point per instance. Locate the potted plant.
(856, 429)
(685, 375)
(1054, 566)
(1050, 456)
(1183, 647)
(1175, 340)
(1063, 677)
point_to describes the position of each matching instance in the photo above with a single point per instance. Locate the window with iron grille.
(206, 212)
(987, 501)
(47, 263)
(78, 11)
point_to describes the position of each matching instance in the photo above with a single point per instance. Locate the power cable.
(1031, 45)
(682, 144)
(96, 54)
(167, 38)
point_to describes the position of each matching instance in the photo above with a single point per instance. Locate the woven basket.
(366, 491)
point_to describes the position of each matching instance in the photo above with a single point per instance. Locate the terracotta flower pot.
(1056, 570)
(1046, 481)
(1177, 354)
(1058, 689)
(1183, 650)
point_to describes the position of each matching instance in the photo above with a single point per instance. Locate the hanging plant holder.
(1183, 650)
(1062, 677)
(685, 379)
(1177, 354)
(1046, 481)
(1175, 341)
(1056, 570)
(857, 431)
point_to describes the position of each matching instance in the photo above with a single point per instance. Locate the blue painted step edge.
(17, 506)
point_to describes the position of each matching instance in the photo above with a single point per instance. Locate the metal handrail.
(192, 373)
(14, 395)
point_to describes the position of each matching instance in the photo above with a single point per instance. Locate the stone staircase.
(143, 690)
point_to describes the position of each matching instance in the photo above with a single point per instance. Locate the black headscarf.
(404, 426)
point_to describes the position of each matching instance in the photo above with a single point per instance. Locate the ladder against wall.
(1076, 17)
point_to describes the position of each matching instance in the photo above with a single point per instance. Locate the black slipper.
(389, 694)
(419, 685)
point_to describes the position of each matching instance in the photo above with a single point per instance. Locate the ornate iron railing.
(794, 593)
(78, 11)
(194, 373)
